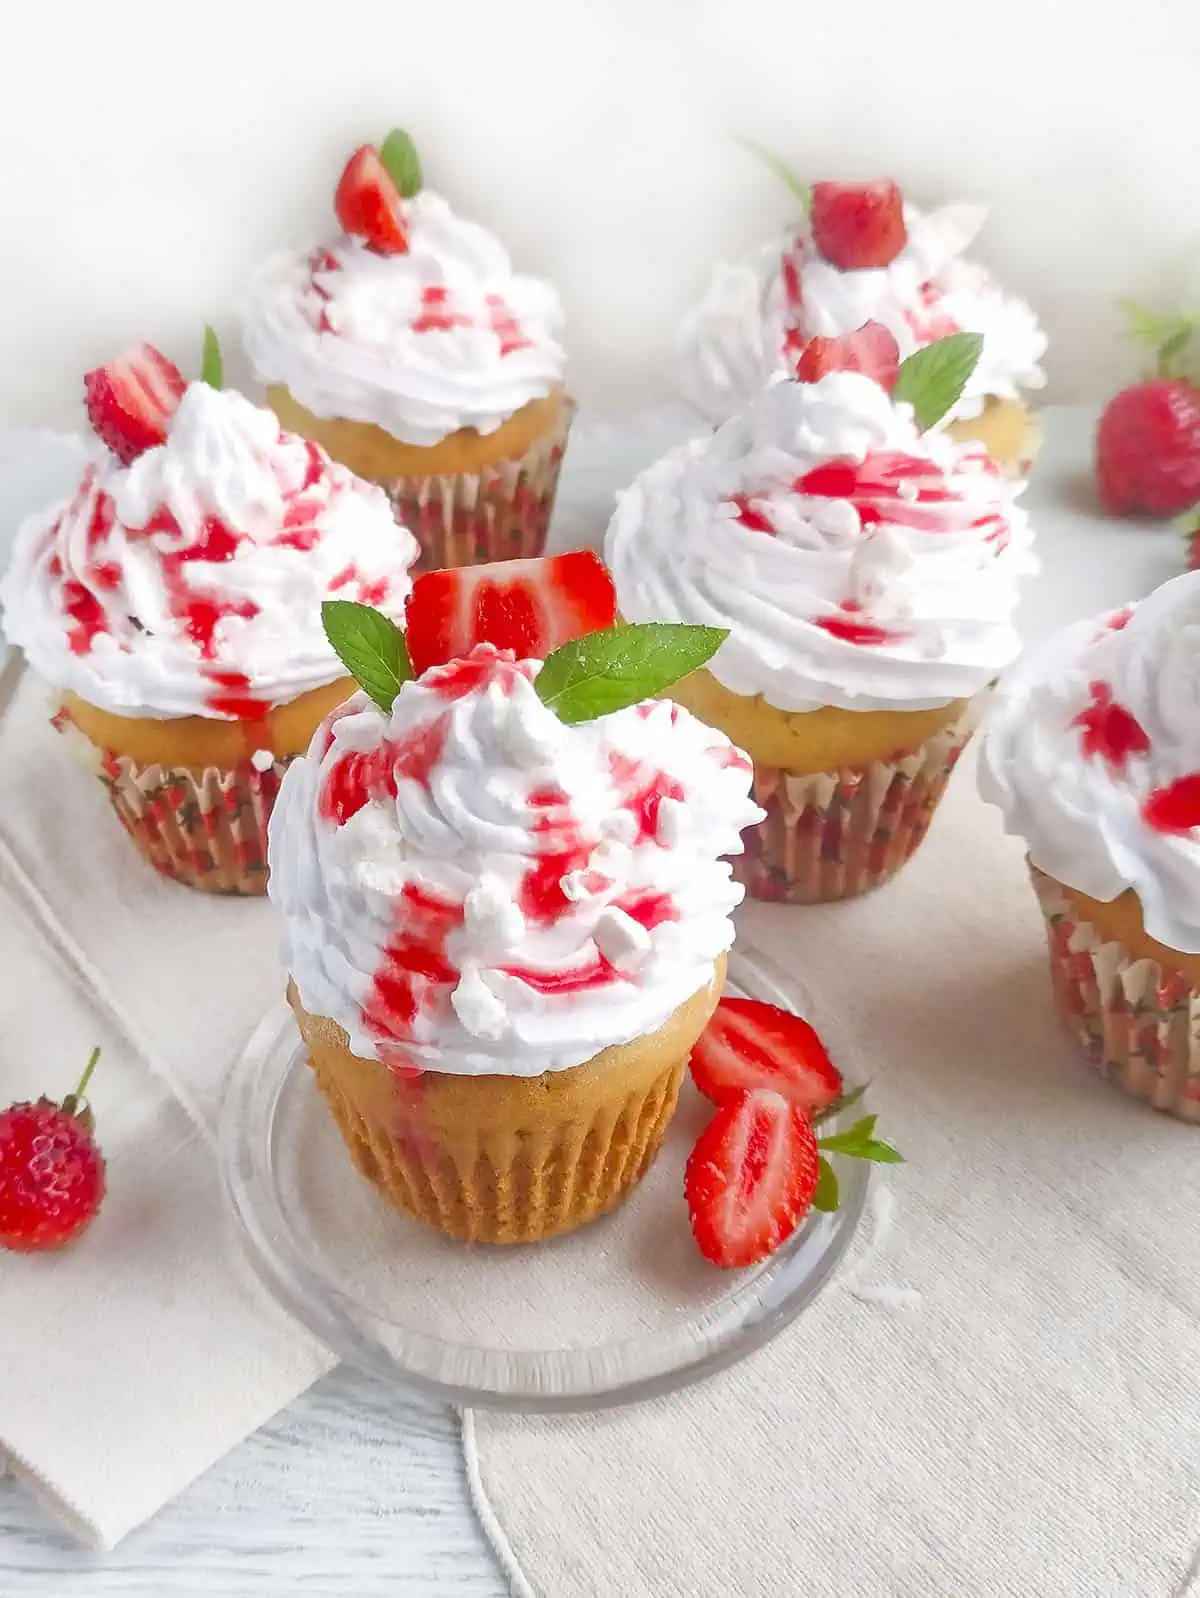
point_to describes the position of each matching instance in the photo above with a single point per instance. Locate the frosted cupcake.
(867, 573)
(861, 255)
(174, 601)
(505, 919)
(407, 347)
(1093, 755)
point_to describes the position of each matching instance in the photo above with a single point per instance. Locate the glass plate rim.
(770, 1300)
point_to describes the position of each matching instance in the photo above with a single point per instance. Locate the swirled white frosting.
(1092, 752)
(468, 885)
(191, 582)
(732, 343)
(443, 337)
(856, 562)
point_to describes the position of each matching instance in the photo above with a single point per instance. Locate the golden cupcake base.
(1009, 432)
(1131, 1003)
(495, 1159)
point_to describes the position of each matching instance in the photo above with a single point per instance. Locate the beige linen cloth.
(133, 1361)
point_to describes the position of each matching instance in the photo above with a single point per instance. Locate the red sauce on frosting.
(1110, 732)
(747, 512)
(641, 793)
(561, 849)
(359, 776)
(414, 967)
(597, 973)
(648, 908)
(931, 321)
(1175, 808)
(873, 486)
(235, 698)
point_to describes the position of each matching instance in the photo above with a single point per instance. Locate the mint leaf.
(844, 1101)
(1173, 345)
(799, 190)
(606, 671)
(825, 1195)
(399, 154)
(212, 368)
(932, 380)
(370, 646)
(859, 1144)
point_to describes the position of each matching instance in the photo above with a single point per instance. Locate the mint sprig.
(399, 154)
(859, 1143)
(844, 1101)
(606, 671)
(932, 379)
(825, 1195)
(370, 646)
(1173, 335)
(212, 367)
(800, 191)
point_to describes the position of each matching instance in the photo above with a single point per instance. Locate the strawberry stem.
(93, 1061)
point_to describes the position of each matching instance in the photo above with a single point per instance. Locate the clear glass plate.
(497, 1327)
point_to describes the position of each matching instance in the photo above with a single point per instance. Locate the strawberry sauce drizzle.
(561, 849)
(748, 513)
(1110, 732)
(1174, 808)
(360, 776)
(873, 487)
(414, 969)
(850, 629)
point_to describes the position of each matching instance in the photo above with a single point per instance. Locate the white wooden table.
(355, 1492)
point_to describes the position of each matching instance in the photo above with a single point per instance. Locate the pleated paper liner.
(1137, 1022)
(510, 1188)
(835, 835)
(207, 830)
(500, 513)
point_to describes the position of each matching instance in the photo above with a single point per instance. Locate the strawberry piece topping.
(528, 606)
(871, 350)
(749, 1044)
(130, 402)
(1148, 449)
(1110, 732)
(751, 1177)
(368, 203)
(856, 225)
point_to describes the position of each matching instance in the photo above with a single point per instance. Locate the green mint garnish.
(370, 646)
(825, 1196)
(844, 1101)
(399, 154)
(212, 368)
(799, 190)
(932, 379)
(1171, 334)
(860, 1144)
(606, 671)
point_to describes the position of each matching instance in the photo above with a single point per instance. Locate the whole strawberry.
(1148, 441)
(51, 1171)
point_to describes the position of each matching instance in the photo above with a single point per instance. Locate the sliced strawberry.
(751, 1177)
(368, 203)
(528, 606)
(130, 402)
(749, 1044)
(871, 350)
(858, 225)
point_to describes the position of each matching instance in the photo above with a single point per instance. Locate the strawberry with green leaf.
(1148, 440)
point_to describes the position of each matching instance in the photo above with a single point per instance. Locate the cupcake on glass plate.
(407, 346)
(1092, 753)
(505, 904)
(175, 602)
(862, 254)
(866, 568)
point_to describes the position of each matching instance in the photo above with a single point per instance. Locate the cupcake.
(505, 913)
(867, 573)
(861, 255)
(1092, 753)
(408, 348)
(174, 602)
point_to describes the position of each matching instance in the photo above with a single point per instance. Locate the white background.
(154, 150)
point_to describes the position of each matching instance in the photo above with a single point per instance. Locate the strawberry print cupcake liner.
(207, 830)
(500, 513)
(1137, 1022)
(835, 835)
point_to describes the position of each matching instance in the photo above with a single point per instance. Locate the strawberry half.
(130, 402)
(857, 225)
(368, 203)
(871, 350)
(751, 1177)
(749, 1044)
(528, 606)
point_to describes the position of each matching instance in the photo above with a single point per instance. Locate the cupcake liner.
(508, 1188)
(500, 513)
(1138, 1022)
(834, 835)
(207, 830)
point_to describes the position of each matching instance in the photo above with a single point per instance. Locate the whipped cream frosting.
(857, 562)
(443, 337)
(1092, 752)
(733, 342)
(191, 581)
(469, 885)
